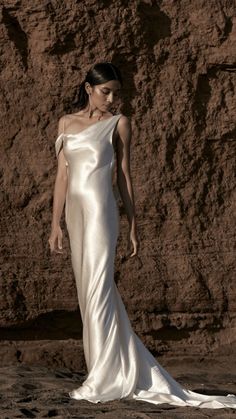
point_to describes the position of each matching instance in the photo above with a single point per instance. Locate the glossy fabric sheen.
(118, 364)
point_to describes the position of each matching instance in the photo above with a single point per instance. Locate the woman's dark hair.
(98, 74)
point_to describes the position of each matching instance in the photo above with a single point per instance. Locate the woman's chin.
(107, 108)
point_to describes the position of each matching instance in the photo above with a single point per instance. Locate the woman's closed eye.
(107, 92)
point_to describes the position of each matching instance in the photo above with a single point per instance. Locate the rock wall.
(179, 67)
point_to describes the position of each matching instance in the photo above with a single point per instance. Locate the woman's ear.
(87, 88)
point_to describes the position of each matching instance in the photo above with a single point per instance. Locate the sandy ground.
(34, 391)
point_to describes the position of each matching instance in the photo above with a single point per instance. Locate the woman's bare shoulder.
(64, 120)
(124, 123)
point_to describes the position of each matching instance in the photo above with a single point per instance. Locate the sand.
(34, 391)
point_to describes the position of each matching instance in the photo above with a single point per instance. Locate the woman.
(118, 364)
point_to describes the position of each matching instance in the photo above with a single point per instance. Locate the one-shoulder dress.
(118, 364)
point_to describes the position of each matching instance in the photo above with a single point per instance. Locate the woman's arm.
(124, 181)
(59, 196)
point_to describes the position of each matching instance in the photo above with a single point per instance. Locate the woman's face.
(103, 96)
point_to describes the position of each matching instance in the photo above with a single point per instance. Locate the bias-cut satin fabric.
(118, 364)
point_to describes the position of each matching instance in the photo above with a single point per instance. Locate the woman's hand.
(135, 242)
(55, 240)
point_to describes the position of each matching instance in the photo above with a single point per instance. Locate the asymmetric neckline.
(90, 126)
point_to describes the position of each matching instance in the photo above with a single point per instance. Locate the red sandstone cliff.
(178, 60)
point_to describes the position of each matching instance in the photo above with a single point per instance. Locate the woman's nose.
(110, 98)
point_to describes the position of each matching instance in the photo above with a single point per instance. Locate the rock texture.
(179, 66)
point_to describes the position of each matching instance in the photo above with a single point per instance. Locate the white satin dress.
(118, 364)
